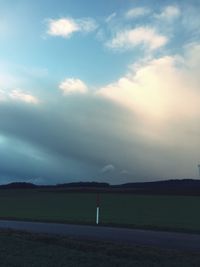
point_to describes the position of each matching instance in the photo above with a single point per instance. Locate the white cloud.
(65, 27)
(146, 36)
(72, 85)
(169, 13)
(162, 93)
(62, 27)
(137, 12)
(111, 17)
(19, 95)
(108, 168)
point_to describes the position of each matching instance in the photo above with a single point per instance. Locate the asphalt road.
(160, 239)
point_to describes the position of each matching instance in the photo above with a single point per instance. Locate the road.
(160, 239)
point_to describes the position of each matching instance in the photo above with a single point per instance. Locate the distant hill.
(173, 183)
(175, 187)
(24, 185)
(83, 184)
(18, 185)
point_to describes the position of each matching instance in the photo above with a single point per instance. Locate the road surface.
(160, 239)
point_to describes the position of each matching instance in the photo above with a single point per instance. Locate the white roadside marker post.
(97, 212)
(97, 216)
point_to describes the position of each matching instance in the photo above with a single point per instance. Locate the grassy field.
(19, 249)
(142, 211)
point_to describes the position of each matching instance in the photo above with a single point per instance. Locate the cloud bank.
(137, 128)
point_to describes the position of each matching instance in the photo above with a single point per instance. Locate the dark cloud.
(72, 139)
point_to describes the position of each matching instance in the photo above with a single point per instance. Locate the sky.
(103, 91)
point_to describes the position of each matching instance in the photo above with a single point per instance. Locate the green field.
(142, 211)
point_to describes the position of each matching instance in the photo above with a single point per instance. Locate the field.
(180, 213)
(23, 249)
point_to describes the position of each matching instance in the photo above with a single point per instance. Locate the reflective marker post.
(98, 205)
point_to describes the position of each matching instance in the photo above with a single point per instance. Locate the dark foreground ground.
(20, 249)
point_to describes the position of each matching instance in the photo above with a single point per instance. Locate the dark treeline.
(174, 187)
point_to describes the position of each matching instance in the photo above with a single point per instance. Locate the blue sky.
(33, 48)
(25, 42)
(122, 75)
